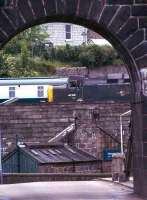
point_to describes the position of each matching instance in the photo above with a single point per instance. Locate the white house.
(65, 33)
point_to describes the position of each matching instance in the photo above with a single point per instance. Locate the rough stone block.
(95, 9)
(84, 8)
(2, 37)
(121, 17)
(38, 8)
(139, 10)
(120, 2)
(145, 135)
(71, 7)
(142, 22)
(140, 1)
(140, 50)
(135, 39)
(129, 28)
(145, 163)
(145, 148)
(25, 10)
(107, 14)
(142, 62)
(5, 24)
(14, 16)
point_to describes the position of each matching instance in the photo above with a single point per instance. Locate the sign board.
(107, 154)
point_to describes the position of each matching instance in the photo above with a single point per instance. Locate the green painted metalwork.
(27, 164)
(10, 165)
(19, 162)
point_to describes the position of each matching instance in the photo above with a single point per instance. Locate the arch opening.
(110, 143)
(104, 32)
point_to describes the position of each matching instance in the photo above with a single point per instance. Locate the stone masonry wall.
(87, 167)
(39, 123)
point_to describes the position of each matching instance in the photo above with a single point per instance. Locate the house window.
(68, 31)
(11, 92)
(40, 91)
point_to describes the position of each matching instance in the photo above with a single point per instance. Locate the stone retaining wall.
(39, 123)
(25, 178)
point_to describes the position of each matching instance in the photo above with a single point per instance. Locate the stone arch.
(122, 22)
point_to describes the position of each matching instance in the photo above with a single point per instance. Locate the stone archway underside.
(122, 22)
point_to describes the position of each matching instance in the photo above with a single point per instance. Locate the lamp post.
(121, 129)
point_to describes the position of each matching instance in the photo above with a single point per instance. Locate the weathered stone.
(121, 17)
(25, 10)
(14, 17)
(145, 163)
(141, 62)
(139, 10)
(120, 2)
(129, 28)
(4, 20)
(95, 9)
(141, 1)
(135, 39)
(71, 7)
(143, 22)
(38, 8)
(107, 14)
(140, 50)
(84, 8)
(145, 149)
(50, 7)
(2, 37)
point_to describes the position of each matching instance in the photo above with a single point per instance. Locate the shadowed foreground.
(88, 190)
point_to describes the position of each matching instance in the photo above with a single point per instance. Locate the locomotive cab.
(73, 91)
(75, 87)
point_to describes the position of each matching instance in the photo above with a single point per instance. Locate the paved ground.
(90, 190)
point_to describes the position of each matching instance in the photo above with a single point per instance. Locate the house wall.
(57, 34)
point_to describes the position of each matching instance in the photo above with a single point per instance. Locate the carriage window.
(40, 91)
(11, 92)
(75, 84)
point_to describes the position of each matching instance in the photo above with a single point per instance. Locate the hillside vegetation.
(29, 54)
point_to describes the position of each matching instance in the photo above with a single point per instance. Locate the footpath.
(128, 184)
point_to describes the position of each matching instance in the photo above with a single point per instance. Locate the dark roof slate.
(58, 154)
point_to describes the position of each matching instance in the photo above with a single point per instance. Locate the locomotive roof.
(33, 81)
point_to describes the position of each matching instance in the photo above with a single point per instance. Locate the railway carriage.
(73, 88)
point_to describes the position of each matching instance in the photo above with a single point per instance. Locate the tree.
(23, 47)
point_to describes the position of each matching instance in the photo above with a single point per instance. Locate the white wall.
(58, 34)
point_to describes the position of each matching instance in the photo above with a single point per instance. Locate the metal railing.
(62, 134)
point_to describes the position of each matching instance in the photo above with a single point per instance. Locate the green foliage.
(28, 55)
(91, 56)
